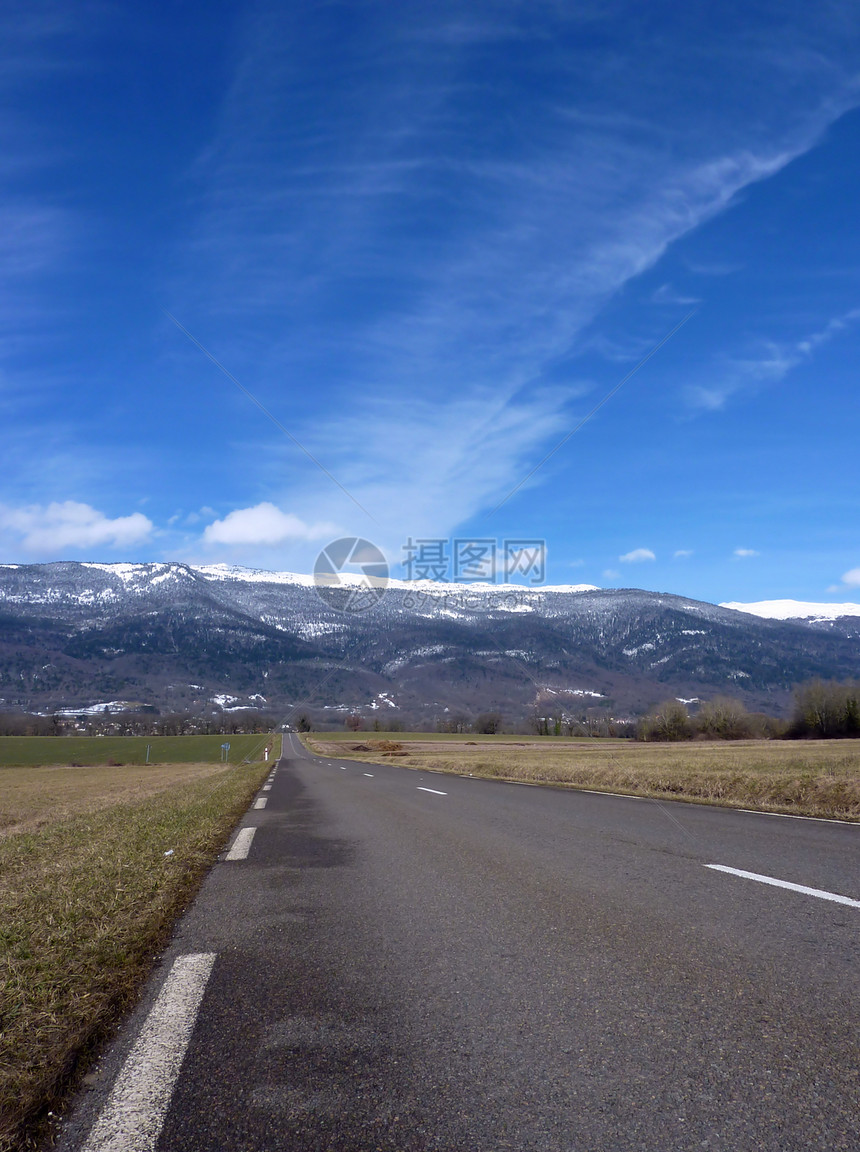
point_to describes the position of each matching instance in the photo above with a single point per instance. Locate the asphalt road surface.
(404, 960)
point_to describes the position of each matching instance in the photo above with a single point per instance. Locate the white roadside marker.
(241, 846)
(433, 790)
(819, 892)
(261, 802)
(133, 1116)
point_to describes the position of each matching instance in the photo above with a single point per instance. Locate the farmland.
(92, 750)
(801, 778)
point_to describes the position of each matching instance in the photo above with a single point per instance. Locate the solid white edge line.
(241, 846)
(793, 816)
(618, 795)
(261, 802)
(134, 1112)
(433, 790)
(819, 892)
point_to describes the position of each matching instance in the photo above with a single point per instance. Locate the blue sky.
(429, 239)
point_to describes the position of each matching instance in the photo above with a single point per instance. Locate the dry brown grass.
(88, 895)
(34, 797)
(808, 778)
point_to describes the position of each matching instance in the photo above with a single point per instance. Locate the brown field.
(95, 865)
(31, 798)
(804, 778)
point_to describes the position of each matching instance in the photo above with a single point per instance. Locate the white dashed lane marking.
(819, 892)
(370, 774)
(261, 802)
(241, 845)
(133, 1116)
(435, 791)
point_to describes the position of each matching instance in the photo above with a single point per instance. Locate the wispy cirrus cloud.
(745, 553)
(383, 253)
(39, 229)
(666, 294)
(773, 361)
(425, 467)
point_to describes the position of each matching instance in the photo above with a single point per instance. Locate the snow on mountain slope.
(795, 610)
(75, 635)
(236, 573)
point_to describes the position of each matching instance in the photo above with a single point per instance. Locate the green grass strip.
(23, 751)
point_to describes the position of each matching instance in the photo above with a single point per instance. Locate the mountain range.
(77, 637)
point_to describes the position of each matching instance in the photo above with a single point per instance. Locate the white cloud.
(544, 233)
(771, 363)
(264, 524)
(667, 294)
(58, 526)
(637, 556)
(746, 552)
(682, 553)
(852, 578)
(611, 574)
(832, 328)
(422, 467)
(434, 417)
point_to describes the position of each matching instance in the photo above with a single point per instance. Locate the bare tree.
(668, 721)
(724, 718)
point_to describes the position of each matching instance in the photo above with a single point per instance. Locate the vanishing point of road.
(388, 959)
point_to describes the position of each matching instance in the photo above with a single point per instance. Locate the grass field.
(95, 865)
(26, 750)
(808, 778)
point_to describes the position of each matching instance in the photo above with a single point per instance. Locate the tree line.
(823, 710)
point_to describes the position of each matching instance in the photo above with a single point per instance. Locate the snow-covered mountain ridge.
(178, 636)
(795, 610)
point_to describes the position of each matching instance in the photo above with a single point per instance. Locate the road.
(405, 960)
